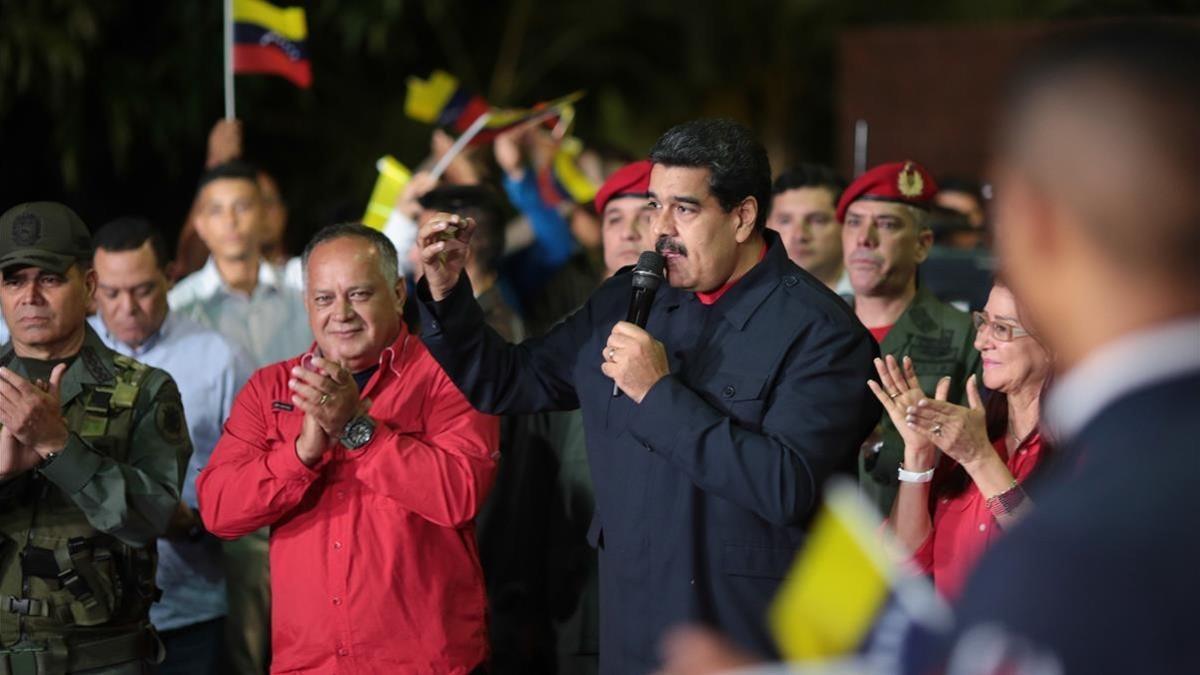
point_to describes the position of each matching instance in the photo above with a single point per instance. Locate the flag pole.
(229, 111)
(472, 131)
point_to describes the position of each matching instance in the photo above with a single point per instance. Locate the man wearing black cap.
(736, 402)
(93, 448)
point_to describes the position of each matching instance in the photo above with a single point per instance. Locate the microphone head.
(648, 272)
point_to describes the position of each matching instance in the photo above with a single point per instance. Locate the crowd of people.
(446, 446)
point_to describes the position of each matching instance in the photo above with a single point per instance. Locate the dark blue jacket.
(704, 489)
(1101, 577)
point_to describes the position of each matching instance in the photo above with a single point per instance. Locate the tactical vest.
(66, 587)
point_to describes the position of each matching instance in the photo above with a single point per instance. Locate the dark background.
(107, 105)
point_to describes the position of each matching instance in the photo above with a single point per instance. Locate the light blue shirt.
(270, 324)
(209, 370)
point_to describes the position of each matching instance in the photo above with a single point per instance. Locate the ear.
(401, 292)
(924, 243)
(89, 282)
(747, 214)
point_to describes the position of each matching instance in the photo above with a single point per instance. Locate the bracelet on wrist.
(1006, 502)
(906, 476)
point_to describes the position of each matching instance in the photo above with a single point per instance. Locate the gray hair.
(389, 263)
(920, 217)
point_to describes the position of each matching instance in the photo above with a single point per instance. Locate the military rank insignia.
(909, 182)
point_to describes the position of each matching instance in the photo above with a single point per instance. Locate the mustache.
(863, 256)
(668, 245)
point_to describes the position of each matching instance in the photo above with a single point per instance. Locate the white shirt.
(271, 323)
(1125, 365)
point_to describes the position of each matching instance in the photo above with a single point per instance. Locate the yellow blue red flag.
(271, 40)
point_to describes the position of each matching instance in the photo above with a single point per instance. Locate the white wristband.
(914, 476)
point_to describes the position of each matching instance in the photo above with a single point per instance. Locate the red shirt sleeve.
(441, 472)
(254, 476)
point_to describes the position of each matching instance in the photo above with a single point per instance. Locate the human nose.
(984, 340)
(662, 225)
(868, 235)
(31, 295)
(343, 310)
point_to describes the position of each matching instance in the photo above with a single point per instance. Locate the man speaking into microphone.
(737, 399)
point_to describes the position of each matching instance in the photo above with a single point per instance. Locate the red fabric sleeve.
(443, 473)
(251, 480)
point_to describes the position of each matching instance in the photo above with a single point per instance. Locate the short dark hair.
(480, 204)
(808, 175)
(388, 260)
(1143, 68)
(737, 162)
(234, 169)
(964, 185)
(129, 233)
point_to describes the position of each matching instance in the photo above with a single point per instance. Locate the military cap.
(46, 235)
(904, 182)
(631, 180)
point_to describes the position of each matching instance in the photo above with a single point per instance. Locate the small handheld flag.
(441, 100)
(271, 40)
(843, 582)
(393, 176)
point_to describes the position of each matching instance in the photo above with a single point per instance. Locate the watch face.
(357, 433)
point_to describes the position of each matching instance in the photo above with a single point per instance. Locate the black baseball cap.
(46, 235)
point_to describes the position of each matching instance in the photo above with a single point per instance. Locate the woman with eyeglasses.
(950, 508)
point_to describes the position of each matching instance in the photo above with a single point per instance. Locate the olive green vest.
(64, 583)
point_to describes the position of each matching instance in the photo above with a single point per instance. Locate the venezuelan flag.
(271, 40)
(441, 100)
(562, 179)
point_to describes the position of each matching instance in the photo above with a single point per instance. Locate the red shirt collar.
(713, 296)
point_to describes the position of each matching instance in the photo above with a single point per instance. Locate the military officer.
(885, 237)
(93, 448)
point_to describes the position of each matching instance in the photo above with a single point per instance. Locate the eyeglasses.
(1004, 332)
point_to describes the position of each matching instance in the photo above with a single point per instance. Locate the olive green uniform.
(77, 552)
(940, 340)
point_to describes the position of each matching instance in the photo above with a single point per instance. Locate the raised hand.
(898, 390)
(15, 458)
(958, 431)
(33, 414)
(442, 242)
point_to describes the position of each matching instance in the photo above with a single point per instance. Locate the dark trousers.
(194, 649)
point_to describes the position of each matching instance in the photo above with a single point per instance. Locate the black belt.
(57, 657)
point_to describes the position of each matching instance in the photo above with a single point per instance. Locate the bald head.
(1108, 122)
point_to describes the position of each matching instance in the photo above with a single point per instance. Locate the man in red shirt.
(369, 466)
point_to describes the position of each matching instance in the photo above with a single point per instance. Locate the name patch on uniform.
(280, 405)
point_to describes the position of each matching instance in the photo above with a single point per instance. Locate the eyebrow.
(680, 198)
(1006, 318)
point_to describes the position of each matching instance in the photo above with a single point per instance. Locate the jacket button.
(790, 280)
(728, 391)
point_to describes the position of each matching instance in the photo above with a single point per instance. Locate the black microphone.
(647, 277)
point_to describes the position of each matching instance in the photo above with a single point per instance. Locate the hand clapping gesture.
(899, 391)
(958, 431)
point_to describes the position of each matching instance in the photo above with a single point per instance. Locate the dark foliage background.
(107, 105)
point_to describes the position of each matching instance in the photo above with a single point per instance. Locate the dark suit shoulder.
(808, 300)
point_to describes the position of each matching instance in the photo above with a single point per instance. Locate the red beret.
(905, 182)
(633, 179)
